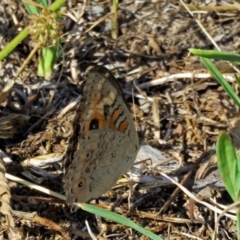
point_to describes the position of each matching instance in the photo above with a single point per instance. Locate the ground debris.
(180, 106)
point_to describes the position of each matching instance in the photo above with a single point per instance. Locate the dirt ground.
(180, 107)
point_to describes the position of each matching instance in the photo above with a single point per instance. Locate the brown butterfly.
(104, 144)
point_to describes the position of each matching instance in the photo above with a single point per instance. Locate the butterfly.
(104, 143)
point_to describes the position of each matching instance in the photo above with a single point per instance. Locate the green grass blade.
(56, 5)
(218, 55)
(237, 181)
(114, 31)
(47, 60)
(30, 8)
(43, 2)
(227, 163)
(12, 45)
(118, 218)
(226, 86)
(237, 79)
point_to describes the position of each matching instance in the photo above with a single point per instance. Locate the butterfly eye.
(94, 124)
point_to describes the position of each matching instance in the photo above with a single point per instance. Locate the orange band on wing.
(116, 115)
(123, 126)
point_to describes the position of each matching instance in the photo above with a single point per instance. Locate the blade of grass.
(47, 60)
(237, 181)
(226, 86)
(56, 5)
(12, 45)
(219, 55)
(237, 79)
(114, 31)
(43, 2)
(30, 8)
(118, 218)
(227, 163)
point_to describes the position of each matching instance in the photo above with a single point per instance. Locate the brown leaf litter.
(181, 108)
